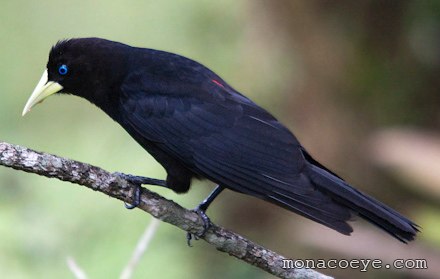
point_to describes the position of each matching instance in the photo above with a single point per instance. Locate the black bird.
(197, 126)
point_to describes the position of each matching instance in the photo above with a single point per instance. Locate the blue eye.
(62, 70)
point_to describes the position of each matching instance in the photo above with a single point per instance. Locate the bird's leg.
(139, 181)
(201, 211)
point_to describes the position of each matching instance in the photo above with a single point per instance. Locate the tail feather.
(338, 221)
(365, 206)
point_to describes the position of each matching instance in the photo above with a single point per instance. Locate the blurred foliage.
(333, 72)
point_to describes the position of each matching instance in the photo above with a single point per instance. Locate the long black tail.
(365, 206)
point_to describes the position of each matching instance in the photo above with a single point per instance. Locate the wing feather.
(233, 142)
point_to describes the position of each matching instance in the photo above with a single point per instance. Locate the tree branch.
(97, 179)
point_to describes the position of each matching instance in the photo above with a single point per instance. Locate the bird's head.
(84, 67)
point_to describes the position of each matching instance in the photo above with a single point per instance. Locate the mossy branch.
(97, 179)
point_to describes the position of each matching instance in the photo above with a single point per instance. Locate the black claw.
(136, 198)
(206, 225)
(188, 239)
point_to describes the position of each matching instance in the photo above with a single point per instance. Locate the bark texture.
(97, 179)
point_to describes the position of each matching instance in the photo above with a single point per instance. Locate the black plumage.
(196, 125)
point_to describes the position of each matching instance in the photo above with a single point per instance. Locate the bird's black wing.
(225, 137)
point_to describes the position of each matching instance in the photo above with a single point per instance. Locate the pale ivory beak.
(43, 90)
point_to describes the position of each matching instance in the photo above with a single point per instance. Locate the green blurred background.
(358, 82)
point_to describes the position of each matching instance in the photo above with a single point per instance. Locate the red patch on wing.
(217, 82)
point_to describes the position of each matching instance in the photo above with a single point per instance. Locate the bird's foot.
(206, 224)
(138, 181)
